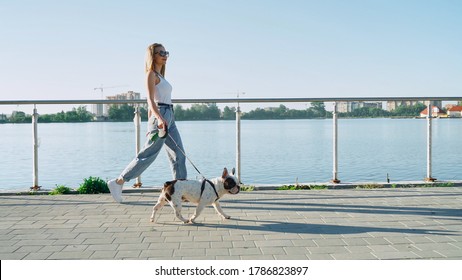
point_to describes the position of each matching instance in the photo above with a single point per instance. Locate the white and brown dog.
(201, 193)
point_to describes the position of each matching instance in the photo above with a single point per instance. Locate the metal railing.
(334, 100)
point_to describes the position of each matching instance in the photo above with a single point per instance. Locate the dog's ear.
(225, 173)
(233, 171)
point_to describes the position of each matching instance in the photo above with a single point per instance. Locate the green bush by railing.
(93, 185)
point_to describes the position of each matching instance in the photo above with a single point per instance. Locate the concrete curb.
(305, 186)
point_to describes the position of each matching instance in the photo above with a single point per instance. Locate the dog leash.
(204, 180)
(163, 133)
(181, 150)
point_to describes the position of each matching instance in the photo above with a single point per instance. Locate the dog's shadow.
(303, 228)
(274, 226)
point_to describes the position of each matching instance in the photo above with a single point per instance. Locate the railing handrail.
(234, 100)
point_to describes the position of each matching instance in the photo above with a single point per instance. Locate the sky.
(265, 48)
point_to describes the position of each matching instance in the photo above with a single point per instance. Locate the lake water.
(273, 151)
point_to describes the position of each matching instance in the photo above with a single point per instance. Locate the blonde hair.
(149, 60)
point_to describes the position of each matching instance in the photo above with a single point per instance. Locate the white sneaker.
(115, 189)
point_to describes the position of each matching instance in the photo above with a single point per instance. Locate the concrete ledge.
(367, 185)
(260, 187)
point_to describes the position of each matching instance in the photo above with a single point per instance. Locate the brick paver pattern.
(358, 224)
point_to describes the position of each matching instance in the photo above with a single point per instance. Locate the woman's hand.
(161, 123)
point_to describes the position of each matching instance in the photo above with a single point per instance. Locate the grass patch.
(438, 185)
(301, 187)
(427, 185)
(246, 188)
(61, 189)
(32, 193)
(445, 185)
(370, 186)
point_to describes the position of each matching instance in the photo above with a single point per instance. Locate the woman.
(160, 117)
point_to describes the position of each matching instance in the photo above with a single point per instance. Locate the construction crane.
(103, 88)
(98, 109)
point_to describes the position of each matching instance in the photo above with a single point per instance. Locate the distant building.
(377, 105)
(454, 111)
(436, 112)
(129, 95)
(347, 107)
(392, 105)
(101, 111)
(98, 110)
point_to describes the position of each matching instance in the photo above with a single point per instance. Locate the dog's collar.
(213, 187)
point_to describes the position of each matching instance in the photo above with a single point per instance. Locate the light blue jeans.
(151, 149)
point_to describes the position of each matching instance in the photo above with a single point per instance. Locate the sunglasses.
(163, 53)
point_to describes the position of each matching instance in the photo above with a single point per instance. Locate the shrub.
(61, 189)
(93, 185)
(246, 188)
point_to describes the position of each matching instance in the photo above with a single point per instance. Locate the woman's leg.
(143, 160)
(149, 152)
(175, 151)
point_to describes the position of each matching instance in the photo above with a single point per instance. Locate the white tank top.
(163, 91)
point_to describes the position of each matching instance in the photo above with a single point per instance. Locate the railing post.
(335, 180)
(35, 185)
(238, 143)
(429, 177)
(137, 121)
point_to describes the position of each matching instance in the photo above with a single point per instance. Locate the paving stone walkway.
(359, 224)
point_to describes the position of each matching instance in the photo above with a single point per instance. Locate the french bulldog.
(202, 193)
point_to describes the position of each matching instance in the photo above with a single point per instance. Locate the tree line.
(370, 112)
(211, 111)
(79, 114)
